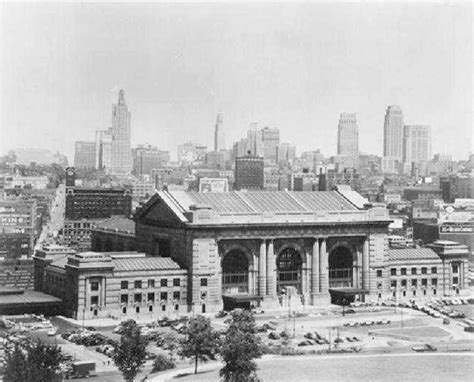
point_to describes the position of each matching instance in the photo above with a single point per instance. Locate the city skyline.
(280, 69)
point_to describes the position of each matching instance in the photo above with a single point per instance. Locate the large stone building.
(348, 135)
(250, 247)
(84, 155)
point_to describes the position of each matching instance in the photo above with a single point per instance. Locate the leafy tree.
(129, 355)
(36, 362)
(239, 349)
(16, 366)
(201, 342)
(170, 343)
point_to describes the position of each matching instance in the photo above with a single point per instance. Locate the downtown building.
(121, 151)
(348, 137)
(219, 135)
(392, 139)
(416, 147)
(85, 155)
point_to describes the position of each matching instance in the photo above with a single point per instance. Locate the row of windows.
(414, 271)
(414, 282)
(137, 284)
(138, 297)
(150, 309)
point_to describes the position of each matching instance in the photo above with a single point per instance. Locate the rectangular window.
(424, 270)
(424, 282)
(403, 271)
(434, 291)
(151, 283)
(164, 296)
(137, 297)
(164, 282)
(176, 295)
(404, 283)
(124, 298)
(163, 308)
(414, 293)
(434, 282)
(124, 285)
(204, 282)
(413, 271)
(151, 297)
(94, 286)
(404, 293)
(393, 283)
(176, 282)
(434, 270)
(379, 273)
(393, 271)
(455, 268)
(414, 282)
(94, 300)
(455, 280)
(138, 284)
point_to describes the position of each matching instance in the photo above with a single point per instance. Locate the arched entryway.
(340, 267)
(289, 266)
(235, 273)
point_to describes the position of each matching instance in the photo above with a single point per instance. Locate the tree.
(129, 355)
(239, 349)
(170, 343)
(34, 362)
(16, 366)
(201, 342)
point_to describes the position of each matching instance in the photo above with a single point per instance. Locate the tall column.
(323, 267)
(365, 266)
(262, 267)
(315, 269)
(271, 270)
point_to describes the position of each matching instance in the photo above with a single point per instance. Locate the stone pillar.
(262, 267)
(323, 268)
(315, 270)
(271, 270)
(365, 266)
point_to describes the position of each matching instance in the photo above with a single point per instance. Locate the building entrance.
(235, 273)
(289, 266)
(340, 268)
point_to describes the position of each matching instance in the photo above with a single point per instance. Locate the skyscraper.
(416, 143)
(121, 137)
(271, 141)
(254, 140)
(348, 135)
(393, 133)
(219, 136)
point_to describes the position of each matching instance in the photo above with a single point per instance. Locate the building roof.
(145, 263)
(264, 201)
(412, 254)
(27, 297)
(117, 224)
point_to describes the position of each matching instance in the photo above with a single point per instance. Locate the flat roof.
(412, 254)
(27, 297)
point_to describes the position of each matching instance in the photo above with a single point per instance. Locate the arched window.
(235, 273)
(289, 266)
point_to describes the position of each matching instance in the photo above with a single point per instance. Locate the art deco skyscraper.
(348, 135)
(121, 161)
(219, 137)
(393, 133)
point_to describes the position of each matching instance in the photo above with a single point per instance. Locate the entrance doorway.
(340, 268)
(289, 267)
(235, 273)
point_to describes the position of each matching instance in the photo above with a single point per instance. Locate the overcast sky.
(294, 66)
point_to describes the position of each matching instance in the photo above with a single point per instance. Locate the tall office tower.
(392, 139)
(254, 141)
(393, 133)
(121, 137)
(219, 136)
(103, 149)
(271, 140)
(285, 154)
(84, 155)
(348, 135)
(416, 143)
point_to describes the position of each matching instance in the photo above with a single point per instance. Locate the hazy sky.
(295, 66)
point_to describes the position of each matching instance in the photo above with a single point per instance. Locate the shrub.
(161, 363)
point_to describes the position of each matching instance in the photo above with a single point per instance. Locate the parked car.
(424, 348)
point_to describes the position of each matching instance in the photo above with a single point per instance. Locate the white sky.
(296, 66)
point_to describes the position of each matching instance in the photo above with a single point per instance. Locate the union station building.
(269, 248)
(203, 252)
